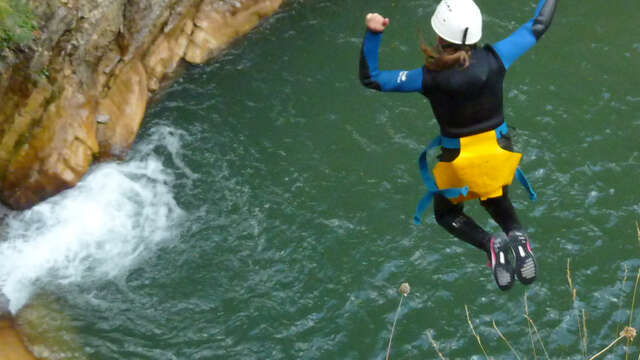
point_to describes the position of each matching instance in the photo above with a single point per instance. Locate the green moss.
(44, 73)
(17, 23)
(48, 331)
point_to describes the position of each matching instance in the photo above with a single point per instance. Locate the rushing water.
(265, 211)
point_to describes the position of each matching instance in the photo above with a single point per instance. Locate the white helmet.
(458, 21)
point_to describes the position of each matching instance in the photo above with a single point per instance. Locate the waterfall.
(119, 214)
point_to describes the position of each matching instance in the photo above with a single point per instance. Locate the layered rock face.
(79, 92)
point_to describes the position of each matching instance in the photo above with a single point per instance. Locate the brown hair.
(446, 55)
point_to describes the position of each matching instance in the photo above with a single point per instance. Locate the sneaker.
(525, 262)
(500, 264)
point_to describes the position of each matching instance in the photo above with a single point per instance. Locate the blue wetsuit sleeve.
(526, 35)
(390, 80)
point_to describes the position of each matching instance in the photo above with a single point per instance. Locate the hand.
(375, 22)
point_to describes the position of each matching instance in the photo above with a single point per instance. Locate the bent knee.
(448, 219)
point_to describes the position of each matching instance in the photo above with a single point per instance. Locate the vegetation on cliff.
(17, 23)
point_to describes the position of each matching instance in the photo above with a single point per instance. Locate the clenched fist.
(376, 22)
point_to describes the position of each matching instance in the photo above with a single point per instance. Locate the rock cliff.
(78, 92)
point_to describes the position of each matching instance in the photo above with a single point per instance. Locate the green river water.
(265, 211)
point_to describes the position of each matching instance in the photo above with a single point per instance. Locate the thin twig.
(466, 308)
(538, 335)
(505, 340)
(571, 288)
(393, 327)
(435, 346)
(624, 282)
(626, 356)
(605, 349)
(584, 332)
(581, 334)
(526, 314)
(633, 303)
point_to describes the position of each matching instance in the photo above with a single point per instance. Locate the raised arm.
(526, 35)
(374, 78)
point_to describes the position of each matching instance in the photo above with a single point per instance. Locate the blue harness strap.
(427, 177)
(522, 179)
(430, 183)
(525, 183)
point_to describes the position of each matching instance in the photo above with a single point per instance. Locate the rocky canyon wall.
(78, 92)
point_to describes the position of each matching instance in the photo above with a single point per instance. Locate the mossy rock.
(17, 23)
(47, 331)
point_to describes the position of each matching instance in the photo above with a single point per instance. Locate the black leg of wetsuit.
(502, 211)
(451, 217)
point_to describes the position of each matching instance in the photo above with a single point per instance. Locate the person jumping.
(464, 85)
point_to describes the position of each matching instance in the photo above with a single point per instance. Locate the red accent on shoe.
(493, 253)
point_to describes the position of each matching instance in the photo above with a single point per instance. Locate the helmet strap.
(464, 36)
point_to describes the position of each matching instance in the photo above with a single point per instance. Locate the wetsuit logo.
(402, 76)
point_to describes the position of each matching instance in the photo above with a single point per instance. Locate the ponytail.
(446, 56)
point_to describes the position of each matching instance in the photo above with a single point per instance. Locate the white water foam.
(116, 216)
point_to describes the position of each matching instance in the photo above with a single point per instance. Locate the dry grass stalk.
(571, 288)
(628, 332)
(582, 325)
(538, 335)
(394, 326)
(526, 314)
(505, 340)
(633, 303)
(435, 346)
(606, 348)
(624, 282)
(466, 308)
(574, 295)
(634, 299)
(584, 333)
